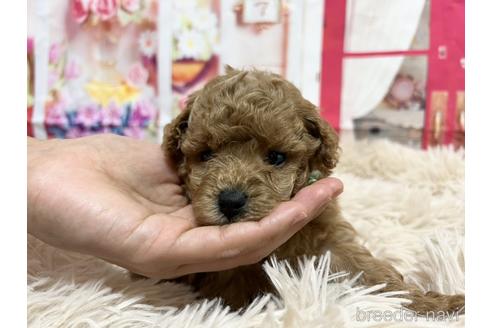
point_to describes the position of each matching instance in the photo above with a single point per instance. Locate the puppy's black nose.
(231, 202)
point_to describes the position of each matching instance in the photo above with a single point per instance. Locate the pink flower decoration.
(111, 116)
(56, 116)
(147, 43)
(55, 53)
(143, 112)
(134, 132)
(105, 9)
(88, 116)
(78, 132)
(30, 45)
(130, 5)
(74, 132)
(106, 129)
(80, 10)
(403, 89)
(72, 70)
(137, 75)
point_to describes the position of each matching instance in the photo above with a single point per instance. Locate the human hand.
(119, 199)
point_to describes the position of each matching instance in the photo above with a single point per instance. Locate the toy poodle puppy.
(246, 142)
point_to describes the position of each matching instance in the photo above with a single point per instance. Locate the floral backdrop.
(102, 73)
(128, 66)
(94, 93)
(194, 47)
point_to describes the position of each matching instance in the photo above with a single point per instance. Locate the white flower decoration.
(148, 43)
(204, 20)
(180, 23)
(195, 31)
(192, 44)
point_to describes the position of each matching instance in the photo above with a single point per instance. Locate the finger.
(165, 195)
(316, 196)
(216, 248)
(187, 214)
(294, 214)
(207, 244)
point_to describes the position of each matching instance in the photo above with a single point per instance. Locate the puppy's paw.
(451, 304)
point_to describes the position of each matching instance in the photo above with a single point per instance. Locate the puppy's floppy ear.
(174, 132)
(325, 157)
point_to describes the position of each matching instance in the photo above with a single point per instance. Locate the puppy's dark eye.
(206, 155)
(276, 158)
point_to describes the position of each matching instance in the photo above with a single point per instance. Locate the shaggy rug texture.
(408, 206)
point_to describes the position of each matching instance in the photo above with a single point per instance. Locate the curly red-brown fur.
(238, 118)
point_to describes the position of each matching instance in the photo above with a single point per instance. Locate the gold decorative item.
(439, 104)
(460, 110)
(186, 71)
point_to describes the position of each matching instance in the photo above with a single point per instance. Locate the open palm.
(121, 200)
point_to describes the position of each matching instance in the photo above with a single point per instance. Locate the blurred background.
(376, 68)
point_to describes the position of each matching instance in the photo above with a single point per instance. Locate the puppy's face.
(244, 143)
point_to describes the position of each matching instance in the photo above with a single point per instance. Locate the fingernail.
(337, 186)
(337, 192)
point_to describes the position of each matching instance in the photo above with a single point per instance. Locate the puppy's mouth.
(216, 217)
(219, 202)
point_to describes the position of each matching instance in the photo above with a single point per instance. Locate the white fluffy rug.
(408, 206)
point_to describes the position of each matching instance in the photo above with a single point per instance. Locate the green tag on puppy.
(313, 177)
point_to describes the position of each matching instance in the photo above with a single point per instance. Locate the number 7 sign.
(261, 11)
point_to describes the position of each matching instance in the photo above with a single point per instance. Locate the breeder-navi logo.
(404, 315)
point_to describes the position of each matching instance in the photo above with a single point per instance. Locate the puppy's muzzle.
(232, 203)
